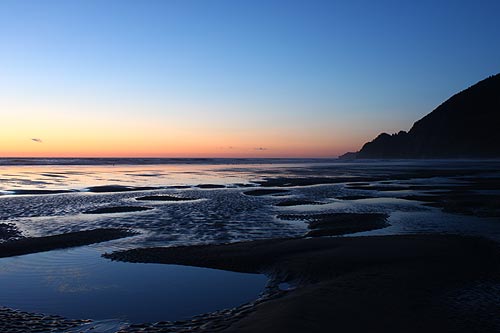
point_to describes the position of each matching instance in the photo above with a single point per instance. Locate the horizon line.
(136, 157)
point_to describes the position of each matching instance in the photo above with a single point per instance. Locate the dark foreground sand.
(71, 239)
(412, 283)
(12, 321)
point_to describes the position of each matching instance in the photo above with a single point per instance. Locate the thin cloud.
(37, 140)
(260, 148)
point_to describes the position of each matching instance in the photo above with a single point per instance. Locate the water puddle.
(78, 283)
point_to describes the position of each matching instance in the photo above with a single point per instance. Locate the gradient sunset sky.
(231, 78)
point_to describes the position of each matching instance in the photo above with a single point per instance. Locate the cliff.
(465, 126)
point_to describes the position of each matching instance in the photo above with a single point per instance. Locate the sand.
(356, 197)
(164, 198)
(39, 192)
(210, 186)
(298, 202)
(9, 231)
(353, 284)
(71, 239)
(359, 180)
(260, 192)
(117, 209)
(334, 224)
(12, 321)
(119, 188)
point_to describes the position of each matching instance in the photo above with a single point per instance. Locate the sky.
(214, 78)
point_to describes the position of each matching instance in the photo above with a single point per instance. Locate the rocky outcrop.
(465, 126)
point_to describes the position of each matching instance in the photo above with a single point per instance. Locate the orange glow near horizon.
(69, 130)
(161, 147)
(166, 143)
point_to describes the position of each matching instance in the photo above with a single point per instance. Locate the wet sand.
(8, 231)
(260, 192)
(360, 180)
(119, 188)
(464, 203)
(334, 224)
(117, 209)
(469, 197)
(355, 197)
(164, 198)
(210, 186)
(12, 321)
(71, 239)
(353, 284)
(39, 192)
(298, 202)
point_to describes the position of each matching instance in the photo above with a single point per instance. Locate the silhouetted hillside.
(466, 125)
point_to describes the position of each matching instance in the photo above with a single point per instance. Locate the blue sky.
(345, 69)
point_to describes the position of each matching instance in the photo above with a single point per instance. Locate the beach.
(354, 284)
(380, 246)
